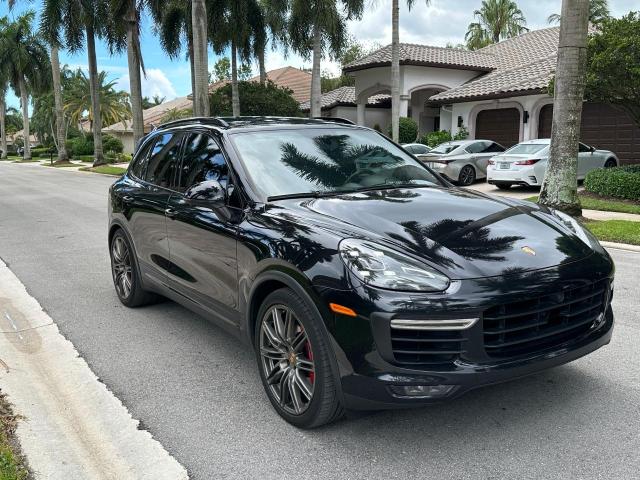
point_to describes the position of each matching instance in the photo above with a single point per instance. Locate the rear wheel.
(126, 277)
(610, 163)
(467, 176)
(503, 185)
(294, 361)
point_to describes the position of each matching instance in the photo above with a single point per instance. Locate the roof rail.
(202, 120)
(345, 121)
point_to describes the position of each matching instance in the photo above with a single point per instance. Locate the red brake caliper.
(309, 353)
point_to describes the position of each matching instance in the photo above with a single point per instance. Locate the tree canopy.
(495, 21)
(256, 99)
(613, 65)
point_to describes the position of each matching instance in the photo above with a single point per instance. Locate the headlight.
(572, 224)
(383, 267)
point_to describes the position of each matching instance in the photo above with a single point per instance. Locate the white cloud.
(155, 83)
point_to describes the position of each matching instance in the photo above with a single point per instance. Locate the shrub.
(81, 146)
(43, 152)
(462, 134)
(434, 139)
(112, 144)
(408, 130)
(256, 99)
(618, 182)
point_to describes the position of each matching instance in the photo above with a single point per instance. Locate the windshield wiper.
(314, 194)
(335, 193)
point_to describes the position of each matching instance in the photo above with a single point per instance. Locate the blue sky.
(441, 22)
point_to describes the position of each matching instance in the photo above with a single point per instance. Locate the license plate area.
(504, 165)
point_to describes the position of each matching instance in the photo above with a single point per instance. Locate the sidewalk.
(74, 428)
(602, 215)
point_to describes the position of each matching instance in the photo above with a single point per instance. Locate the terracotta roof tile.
(343, 96)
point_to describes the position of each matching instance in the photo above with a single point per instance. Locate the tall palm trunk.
(261, 65)
(395, 70)
(200, 58)
(316, 89)
(559, 189)
(235, 94)
(95, 98)
(24, 101)
(193, 73)
(61, 135)
(135, 82)
(3, 130)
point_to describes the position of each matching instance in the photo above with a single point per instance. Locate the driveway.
(196, 389)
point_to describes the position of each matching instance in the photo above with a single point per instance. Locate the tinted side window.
(140, 163)
(410, 149)
(494, 147)
(202, 160)
(583, 148)
(163, 160)
(476, 147)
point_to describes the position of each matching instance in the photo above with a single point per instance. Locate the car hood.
(463, 233)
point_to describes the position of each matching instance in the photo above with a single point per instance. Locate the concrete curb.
(75, 429)
(621, 246)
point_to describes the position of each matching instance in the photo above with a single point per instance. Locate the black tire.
(610, 163)
(503, 186)
(124, 271)
(323, 405)
(466, 176)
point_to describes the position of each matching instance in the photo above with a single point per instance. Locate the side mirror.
(593, 149)
(208, 191)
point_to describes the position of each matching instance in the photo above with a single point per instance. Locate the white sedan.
(526, 163)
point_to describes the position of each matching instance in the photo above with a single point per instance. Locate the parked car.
(361, 279)
(526, 163)
(416, 148)
(462, 161)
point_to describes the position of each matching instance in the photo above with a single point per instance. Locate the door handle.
(171, 213)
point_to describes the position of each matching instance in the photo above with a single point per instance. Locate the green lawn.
(590, 202)
(105, 169)
(11, 465)
(619, 231)
(60, 165)
(20, 160)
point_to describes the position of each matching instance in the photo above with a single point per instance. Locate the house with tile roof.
(296, 80)
(498, 92)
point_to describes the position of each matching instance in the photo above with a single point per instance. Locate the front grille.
(542, 322)
(426, 347)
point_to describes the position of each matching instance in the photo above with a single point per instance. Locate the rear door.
(152, 174)
(202, 237)
(587, 161)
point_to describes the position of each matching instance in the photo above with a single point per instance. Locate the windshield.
(527, 148)
(445, 148)
(326, 160)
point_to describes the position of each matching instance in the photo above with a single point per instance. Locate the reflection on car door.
(152, 174)
(481, 152)
(202, 239)
(586, 160)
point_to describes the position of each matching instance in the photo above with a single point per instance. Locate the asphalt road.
(196, 389)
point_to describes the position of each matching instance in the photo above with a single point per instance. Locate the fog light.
(422, 391)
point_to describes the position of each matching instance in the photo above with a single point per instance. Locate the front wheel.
(610, 163)
(294, 361)
(467, 176)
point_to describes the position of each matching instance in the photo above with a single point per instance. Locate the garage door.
(501, 125)
(602, 127)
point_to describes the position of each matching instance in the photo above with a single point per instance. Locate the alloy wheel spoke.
(304, 364)
(303, 385)
(272, 336)
(294, 391)
(272, 353)
(298, 342)
(275, 375)
(279, 323)
(284, 389)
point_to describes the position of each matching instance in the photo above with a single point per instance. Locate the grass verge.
(619, 231)
(105, 169)
(12, 464)
(33, 160)
(60, 165)
(594, 202)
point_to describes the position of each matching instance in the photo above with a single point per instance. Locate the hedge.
(618, 182)
(408, 130)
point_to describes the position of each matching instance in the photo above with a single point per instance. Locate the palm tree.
(395, 66)
(273, 29)
(200, 58)
(3, 113)
(127, 13)
(496, 20)
(25, 57)
(172, 20)
(316, 27)
(80, 22)
(560, 185)
(240, 25)
(598, 12)
(57, 92)
(113, 105)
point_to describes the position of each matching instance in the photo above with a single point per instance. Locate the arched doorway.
(429, 116)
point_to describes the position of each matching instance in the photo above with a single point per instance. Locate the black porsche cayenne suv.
(361, 278)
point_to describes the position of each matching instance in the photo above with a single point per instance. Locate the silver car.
(416, 148)
(462, 161)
